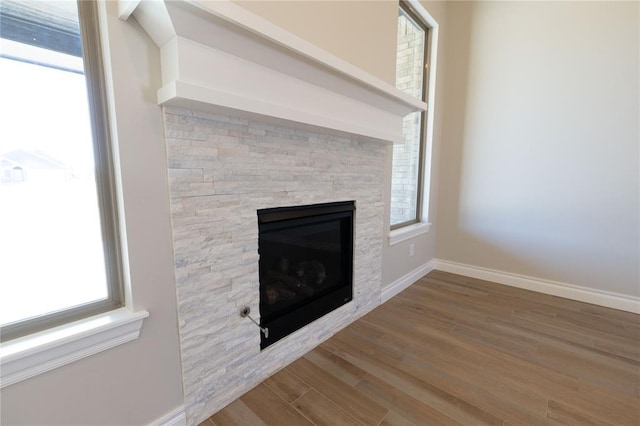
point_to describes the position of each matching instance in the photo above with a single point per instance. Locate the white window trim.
(38, 353)
(407, 232)
(411, 231)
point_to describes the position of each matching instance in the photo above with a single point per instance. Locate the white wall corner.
(607, 299)
(406, 280)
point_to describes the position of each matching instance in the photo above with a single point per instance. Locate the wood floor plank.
(609, 313)
(589, 368)
(286, 385)
(271, 409)
(608, 358)
(546, 330)
(437, 396)
(566, 416)
(321, 411)
(357, 405)
(456, 349)
(540, 380)
(447, 347)
(605, 325)
(518, 346)
(479, 306)
(332, 364)
(235, 414)
(495, 336)
(604, 405)
(407, 313)
(398, 401)
(480, 395)
(395, 419)
(618, 345)
(624, 349)
(364, 328)
(525, 406)
(454, 364)
(544, 301)
(330, 345)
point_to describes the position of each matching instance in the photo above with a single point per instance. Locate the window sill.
(402, 234)
(37, 353)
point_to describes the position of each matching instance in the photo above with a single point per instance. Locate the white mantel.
(218, 57)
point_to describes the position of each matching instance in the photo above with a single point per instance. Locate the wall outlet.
(412, 249)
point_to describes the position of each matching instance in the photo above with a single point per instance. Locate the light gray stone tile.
(222, 169)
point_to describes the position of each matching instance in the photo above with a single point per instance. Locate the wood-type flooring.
(456, 350)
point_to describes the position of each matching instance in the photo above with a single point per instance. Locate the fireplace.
(305, 266)
(239, 140)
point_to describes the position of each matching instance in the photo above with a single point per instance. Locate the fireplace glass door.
(306, 264)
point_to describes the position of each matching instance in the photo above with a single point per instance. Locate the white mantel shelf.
(217, 56)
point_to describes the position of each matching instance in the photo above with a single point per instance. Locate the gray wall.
(358, 31)
(539, 165)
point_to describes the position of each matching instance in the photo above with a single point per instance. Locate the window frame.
(92, 56)
(417, 19)
(414, 230)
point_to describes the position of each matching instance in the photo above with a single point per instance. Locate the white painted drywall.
(138, 382)
(539, 165)
(362, 32)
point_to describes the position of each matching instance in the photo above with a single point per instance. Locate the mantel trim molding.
(217, 55)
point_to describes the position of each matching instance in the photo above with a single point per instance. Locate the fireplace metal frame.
(300, 316)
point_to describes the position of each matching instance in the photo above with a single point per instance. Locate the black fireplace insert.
(306, 265)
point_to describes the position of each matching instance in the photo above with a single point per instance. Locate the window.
(59, 245)
(412, 77)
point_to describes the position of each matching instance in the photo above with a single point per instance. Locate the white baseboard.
(177, 417)
(406, 280)
(608, 299)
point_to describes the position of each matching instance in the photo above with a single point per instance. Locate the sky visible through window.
(51, 254)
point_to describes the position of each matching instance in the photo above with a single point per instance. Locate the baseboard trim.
(569, 291)
(177, 417)
(406, 280)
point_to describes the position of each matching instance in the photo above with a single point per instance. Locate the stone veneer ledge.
(222, 169)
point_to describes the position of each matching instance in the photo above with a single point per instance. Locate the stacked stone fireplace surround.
(222, 169)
